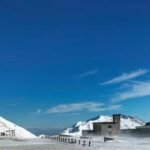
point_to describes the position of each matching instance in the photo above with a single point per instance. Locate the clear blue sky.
(68, 60)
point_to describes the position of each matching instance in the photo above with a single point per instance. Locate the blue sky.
(64, 61)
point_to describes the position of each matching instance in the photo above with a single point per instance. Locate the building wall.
(110, 129)
(87, 133)
(106, 128)
(97, 128)
(139, 132)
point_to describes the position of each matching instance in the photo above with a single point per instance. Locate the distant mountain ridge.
(127, 122)
(48, 131)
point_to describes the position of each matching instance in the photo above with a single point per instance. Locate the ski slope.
(20, 133)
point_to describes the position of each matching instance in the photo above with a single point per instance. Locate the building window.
(110, 126)
(2, 134)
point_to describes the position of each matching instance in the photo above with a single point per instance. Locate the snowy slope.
(20, 133)
(127, 122)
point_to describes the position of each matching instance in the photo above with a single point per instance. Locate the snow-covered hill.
(127, 122)
(20, 133)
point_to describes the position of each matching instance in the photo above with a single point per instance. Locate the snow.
(127, 122)
(42, 136)
(20, 133)
(120, 143)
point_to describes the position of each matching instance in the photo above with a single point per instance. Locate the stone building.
(105, 128)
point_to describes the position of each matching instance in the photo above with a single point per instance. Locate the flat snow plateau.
(127, 143)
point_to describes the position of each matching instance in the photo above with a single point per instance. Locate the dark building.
(147, 124)
(142, 131)
(113, 128)
(105, 128)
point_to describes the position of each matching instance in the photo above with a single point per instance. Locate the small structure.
(108, 139)
(6, 132)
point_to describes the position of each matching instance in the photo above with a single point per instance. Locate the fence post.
(84, 143)
(89, 143)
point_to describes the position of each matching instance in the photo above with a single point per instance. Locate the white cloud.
(136, 89)
(88, 73)
(77, 107)
(126, 77)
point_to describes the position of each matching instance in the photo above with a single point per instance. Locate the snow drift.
(127, 122)
(20, 133)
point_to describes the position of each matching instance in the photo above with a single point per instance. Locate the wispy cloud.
(136, 90)
(69, 114)
(111, 107)
(13, 104)
(77, 107)
(39, 111)
(87, 73)
(126, 77)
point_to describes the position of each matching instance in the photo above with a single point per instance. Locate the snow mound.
(42, 136)
(127, 122)
(20, 133)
